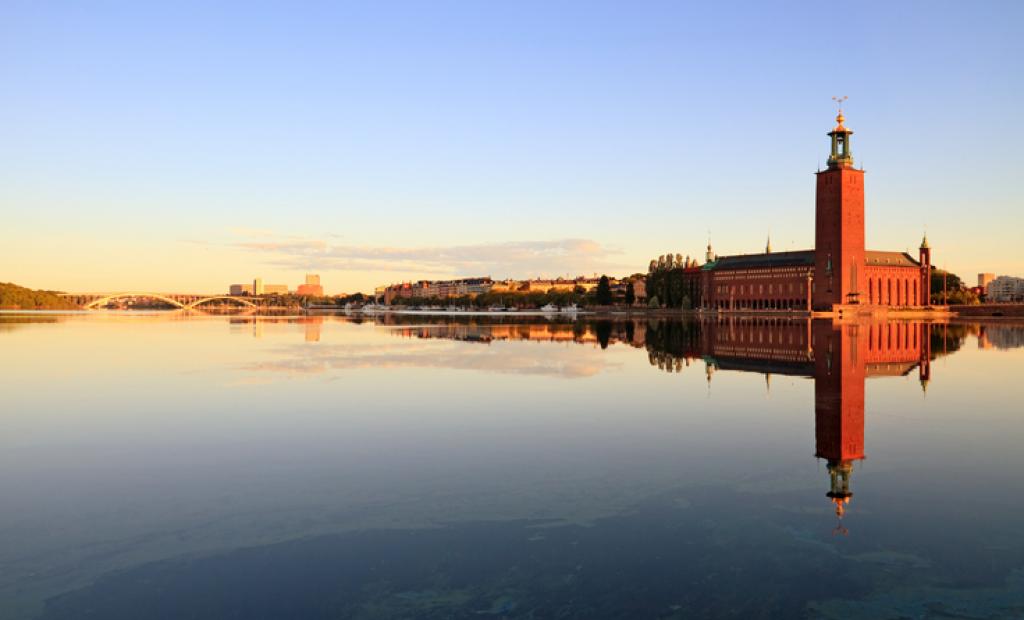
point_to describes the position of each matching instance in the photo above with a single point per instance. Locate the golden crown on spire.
(839, 117)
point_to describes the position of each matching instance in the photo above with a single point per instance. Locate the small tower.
(842, 155)
(710, 255)
(925, 286)
(768, 245)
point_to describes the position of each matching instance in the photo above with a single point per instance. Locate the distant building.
(985, 278)
(311, 290)
(257, 286)
(239, 290)
(640, 288)
(311, 287)
(1004, 289)
(435, 288)
(275, 289)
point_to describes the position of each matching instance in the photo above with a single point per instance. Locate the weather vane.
(839, 101)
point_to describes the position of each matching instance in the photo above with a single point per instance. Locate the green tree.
(953, 281)
(604, 291)
(14, 297)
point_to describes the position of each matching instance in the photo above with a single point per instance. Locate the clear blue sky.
(188, 145)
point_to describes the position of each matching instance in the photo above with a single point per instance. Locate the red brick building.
(839, 271)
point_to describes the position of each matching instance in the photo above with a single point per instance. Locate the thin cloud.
(514, 258)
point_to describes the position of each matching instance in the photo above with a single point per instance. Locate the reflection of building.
(311, 327)
(839, 357)
(1000, 337)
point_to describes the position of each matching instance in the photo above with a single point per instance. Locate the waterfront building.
(275, 289)
(257, 286)
(442, 289)
(240, 290)
(984, 279)
(838, 272)
(1005, 289)
(311, 287)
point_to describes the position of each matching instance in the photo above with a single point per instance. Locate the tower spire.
(841, 155)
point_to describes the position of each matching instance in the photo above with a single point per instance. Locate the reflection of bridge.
(183, 301)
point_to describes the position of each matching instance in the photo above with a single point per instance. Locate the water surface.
(167, 465)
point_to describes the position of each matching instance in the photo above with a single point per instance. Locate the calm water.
(164, 466)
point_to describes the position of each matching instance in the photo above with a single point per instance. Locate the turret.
(842, 155)
(925, 286)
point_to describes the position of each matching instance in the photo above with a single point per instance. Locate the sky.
(184, 146)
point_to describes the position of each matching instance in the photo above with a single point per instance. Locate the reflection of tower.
(839, 374)
(924, 368)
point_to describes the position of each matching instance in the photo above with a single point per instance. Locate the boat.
(549, 308)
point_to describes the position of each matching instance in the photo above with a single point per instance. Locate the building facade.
(1005, 289)
(311, 286)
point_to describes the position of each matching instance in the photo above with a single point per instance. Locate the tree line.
(14, 297)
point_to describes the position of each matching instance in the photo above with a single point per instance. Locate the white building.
(1005, 288)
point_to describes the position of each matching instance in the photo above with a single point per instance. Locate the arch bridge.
(95, 301)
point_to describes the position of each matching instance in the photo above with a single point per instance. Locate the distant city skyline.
(181, 147)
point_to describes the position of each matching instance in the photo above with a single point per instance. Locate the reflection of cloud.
(514, 258)
(565, 363)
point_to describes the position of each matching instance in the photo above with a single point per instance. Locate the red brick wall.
(839, 235)
(892, 286)
(762, 288)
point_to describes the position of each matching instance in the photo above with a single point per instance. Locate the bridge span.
(183, 301)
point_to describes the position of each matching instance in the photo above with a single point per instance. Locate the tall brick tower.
(839, 263)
